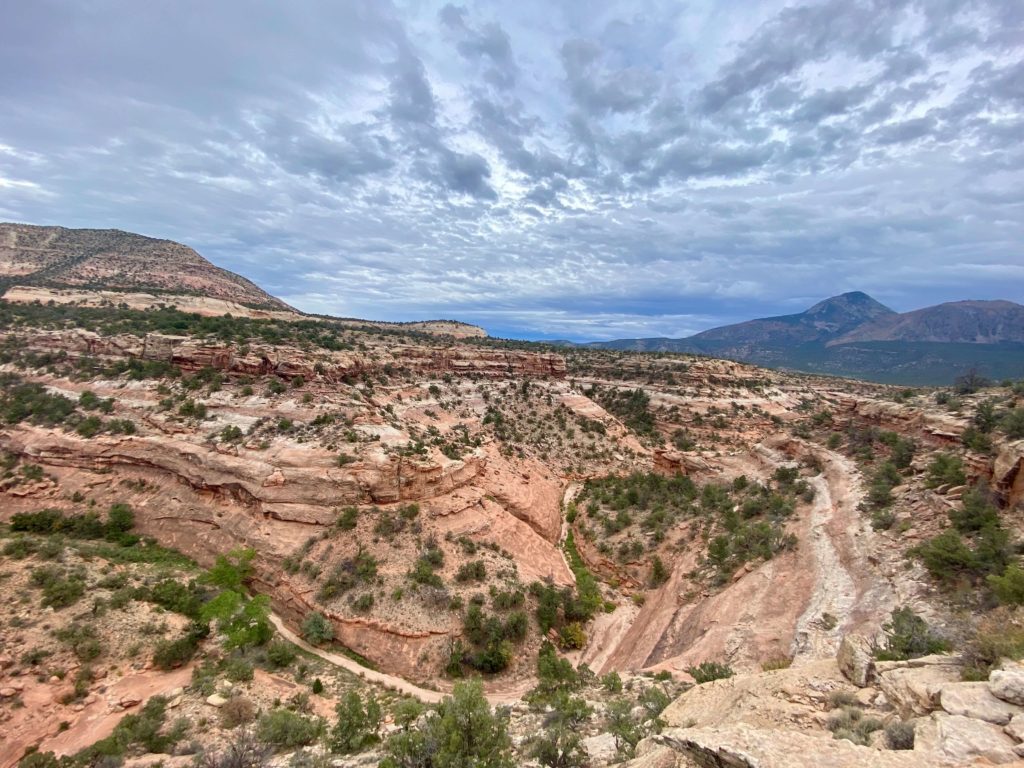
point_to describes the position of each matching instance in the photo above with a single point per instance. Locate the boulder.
(1008, 685)
(216, 700)
(1015, 728)
(856, 660)
(914, 691)
(962, 740)
(976, 701)
(601, 748)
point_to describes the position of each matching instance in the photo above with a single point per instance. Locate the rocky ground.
(677, 510)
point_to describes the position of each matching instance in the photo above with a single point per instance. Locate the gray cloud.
(637, 168)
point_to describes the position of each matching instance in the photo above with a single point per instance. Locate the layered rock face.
(286, 361)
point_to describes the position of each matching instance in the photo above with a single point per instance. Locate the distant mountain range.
(854, 335)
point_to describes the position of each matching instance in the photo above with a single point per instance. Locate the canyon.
(645, 514)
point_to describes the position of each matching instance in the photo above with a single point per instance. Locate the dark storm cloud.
(621, 169)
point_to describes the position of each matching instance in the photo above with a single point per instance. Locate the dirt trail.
(393, 682)
(498, 695)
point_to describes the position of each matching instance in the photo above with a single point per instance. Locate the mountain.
(968, 322)
(821, 322)
(112, 260)
(854, 335)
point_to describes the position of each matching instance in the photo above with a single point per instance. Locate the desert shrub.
(850, 724)
(572, 636)
(999, 635)
(653, 700)
(976, 512)
(623, 727)
(280, 654)
(839, 699)
(348, 518)
(423, 573)
(238, 710)
(317, 629)
(899, 735)
(1008, 587)
(505, 600)
(611, 683)
(287, 730)
(659, 573)
(707, 671)
(946, 557)
(82, 639)
(172, 595)
(61, 587)
(1012, 423)
(475, 570)
(945, 469)
(908, 637)
(238, 669)
(363, 603)
(168, 654)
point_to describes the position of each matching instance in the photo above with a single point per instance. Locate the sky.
(577, 169)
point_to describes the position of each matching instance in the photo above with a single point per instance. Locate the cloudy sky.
(575, 169)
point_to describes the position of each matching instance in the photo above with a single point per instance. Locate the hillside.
(600, 539)
(958, 322)
(108, 267)
(112, 260)
(853, 335)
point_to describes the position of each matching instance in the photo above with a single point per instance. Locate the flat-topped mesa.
(289, 361)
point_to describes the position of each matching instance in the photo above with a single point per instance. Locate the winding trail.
(392, 682)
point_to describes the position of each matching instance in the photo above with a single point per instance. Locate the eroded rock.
(958, 739)
(856, 660)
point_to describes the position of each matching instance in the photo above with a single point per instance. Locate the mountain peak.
(853, 303)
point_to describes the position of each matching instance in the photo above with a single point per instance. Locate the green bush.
(317, 629)
(169, 654)
(899, 735)
(909, 637)
(707, 671)
(358, 723)
(462, 733)
(945, 469)
(475, 570)
(1009, 587)
(280, 653)
(287, 730)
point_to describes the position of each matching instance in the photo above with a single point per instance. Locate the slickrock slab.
(744, 747)
(959, 740)
(914, 690)
(976, 701)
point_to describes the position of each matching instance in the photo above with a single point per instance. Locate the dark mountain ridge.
(854, 335)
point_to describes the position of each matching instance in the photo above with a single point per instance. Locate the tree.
(622, 726)
(232, 570)
(243, 621)
(357, 724)
(462, 733)
(560, 744)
